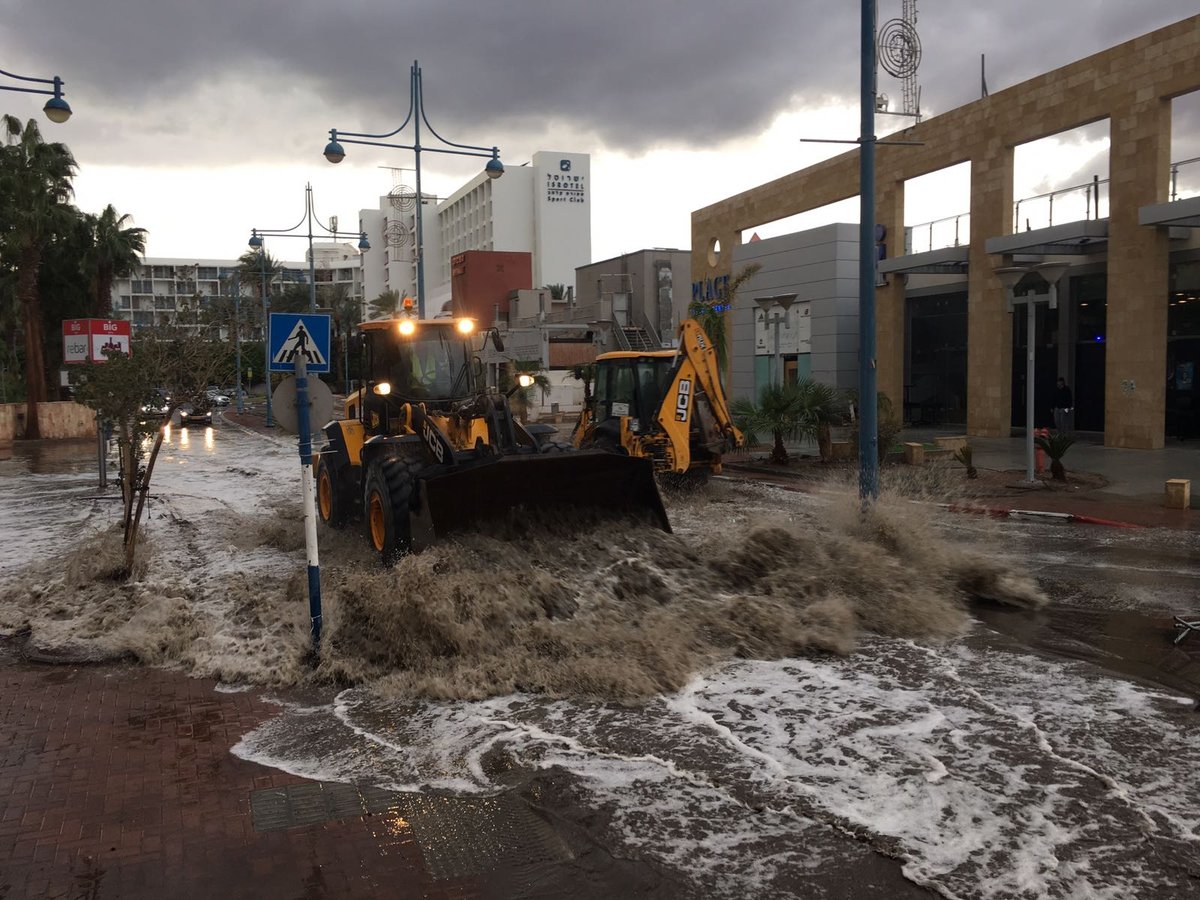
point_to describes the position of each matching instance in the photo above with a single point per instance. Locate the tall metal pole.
(266, 305)
(1030, 351)
(868, 425)
(312, 268)
(775, 379)
(310, 506)
(418, 113)
(237, 335)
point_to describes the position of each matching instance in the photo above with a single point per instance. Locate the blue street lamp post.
(266, 306)
(256, 241)
(57, 109)
(868, 423)
(237, 326)
(335, 153)
(257, 234)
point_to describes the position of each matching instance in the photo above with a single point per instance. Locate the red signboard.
(85, 340)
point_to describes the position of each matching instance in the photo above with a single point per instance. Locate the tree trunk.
(1057, 472)
(825, 443)
(131, 533)
(103, 299)
(779, 452)
(35, 362)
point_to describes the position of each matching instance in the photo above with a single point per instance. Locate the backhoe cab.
(426, 448)
(664, 405)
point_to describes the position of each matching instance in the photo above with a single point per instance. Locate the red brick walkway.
(117, 782)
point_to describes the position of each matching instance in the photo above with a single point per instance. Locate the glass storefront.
(1183, 351)
(1089, 317)
(935, 370)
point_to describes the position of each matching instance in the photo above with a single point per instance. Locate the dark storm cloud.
(630, 73)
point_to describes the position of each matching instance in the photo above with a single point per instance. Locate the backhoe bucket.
(464, 498)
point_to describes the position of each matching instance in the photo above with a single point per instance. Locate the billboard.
(85, 340)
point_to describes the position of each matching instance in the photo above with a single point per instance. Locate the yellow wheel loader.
(667, 406)
(426, 449)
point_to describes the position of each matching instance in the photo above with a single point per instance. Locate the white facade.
(175, 290)
(542, 208)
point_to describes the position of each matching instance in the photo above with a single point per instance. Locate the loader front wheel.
(387, 498)
(332, 501)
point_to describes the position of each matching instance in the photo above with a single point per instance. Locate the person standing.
(1063, 404)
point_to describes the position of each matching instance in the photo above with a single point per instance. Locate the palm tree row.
(55, 261)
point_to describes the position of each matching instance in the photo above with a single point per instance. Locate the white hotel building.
(175, 290)
(542, 208)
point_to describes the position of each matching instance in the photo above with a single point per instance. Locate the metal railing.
(1175, 167)
(1092, 202)
(961, 223)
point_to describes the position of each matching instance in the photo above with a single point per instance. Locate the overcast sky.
(204, 119)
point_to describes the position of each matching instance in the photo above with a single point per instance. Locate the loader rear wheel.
(387, 499)
(333, 502)
(556, 447)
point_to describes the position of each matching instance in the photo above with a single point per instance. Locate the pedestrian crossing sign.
(294, 335)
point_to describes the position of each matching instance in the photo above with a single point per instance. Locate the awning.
(1069, 239)
(943, 261)
(1178, 214)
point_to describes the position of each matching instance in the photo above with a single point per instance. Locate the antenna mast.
(899, 52)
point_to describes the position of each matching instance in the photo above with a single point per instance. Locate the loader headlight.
(465, 326)
(406, 326)
(382, 389)
(525, 380)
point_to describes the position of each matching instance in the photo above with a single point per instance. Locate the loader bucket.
(464, 498)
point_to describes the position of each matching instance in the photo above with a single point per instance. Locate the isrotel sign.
(85, 340)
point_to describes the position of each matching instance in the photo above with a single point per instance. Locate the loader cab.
(412, 361)
(631, 385)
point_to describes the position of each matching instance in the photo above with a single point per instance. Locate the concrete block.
(955, 442)
(914, 454)
(1178, 493)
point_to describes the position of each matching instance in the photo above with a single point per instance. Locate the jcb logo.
(683, 400)
(431, 438)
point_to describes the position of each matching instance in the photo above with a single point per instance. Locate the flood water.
(779, 699)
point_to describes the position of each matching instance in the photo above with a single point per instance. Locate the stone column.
(989, 324)
(1138, 269)
(890, 299)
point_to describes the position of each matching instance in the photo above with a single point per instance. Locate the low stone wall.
(59, 420)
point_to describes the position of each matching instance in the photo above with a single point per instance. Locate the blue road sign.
(294, 333)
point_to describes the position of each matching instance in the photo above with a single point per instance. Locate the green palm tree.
(1056, 446)
(251, 266)
(114, 253)
(711, 313)
(386, 305)
(35, 187)
(802, 411)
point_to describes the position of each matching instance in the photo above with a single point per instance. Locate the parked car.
(216, 397)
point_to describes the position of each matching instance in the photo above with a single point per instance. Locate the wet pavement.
(1012, 763)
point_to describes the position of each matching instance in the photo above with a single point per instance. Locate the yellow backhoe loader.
(664, 405)
(426, 448)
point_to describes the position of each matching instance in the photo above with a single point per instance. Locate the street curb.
(1002, 513)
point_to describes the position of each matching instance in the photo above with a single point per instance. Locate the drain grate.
(461, 836)
(272, 809)
(458, 836)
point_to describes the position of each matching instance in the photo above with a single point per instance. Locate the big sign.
(85, 340)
